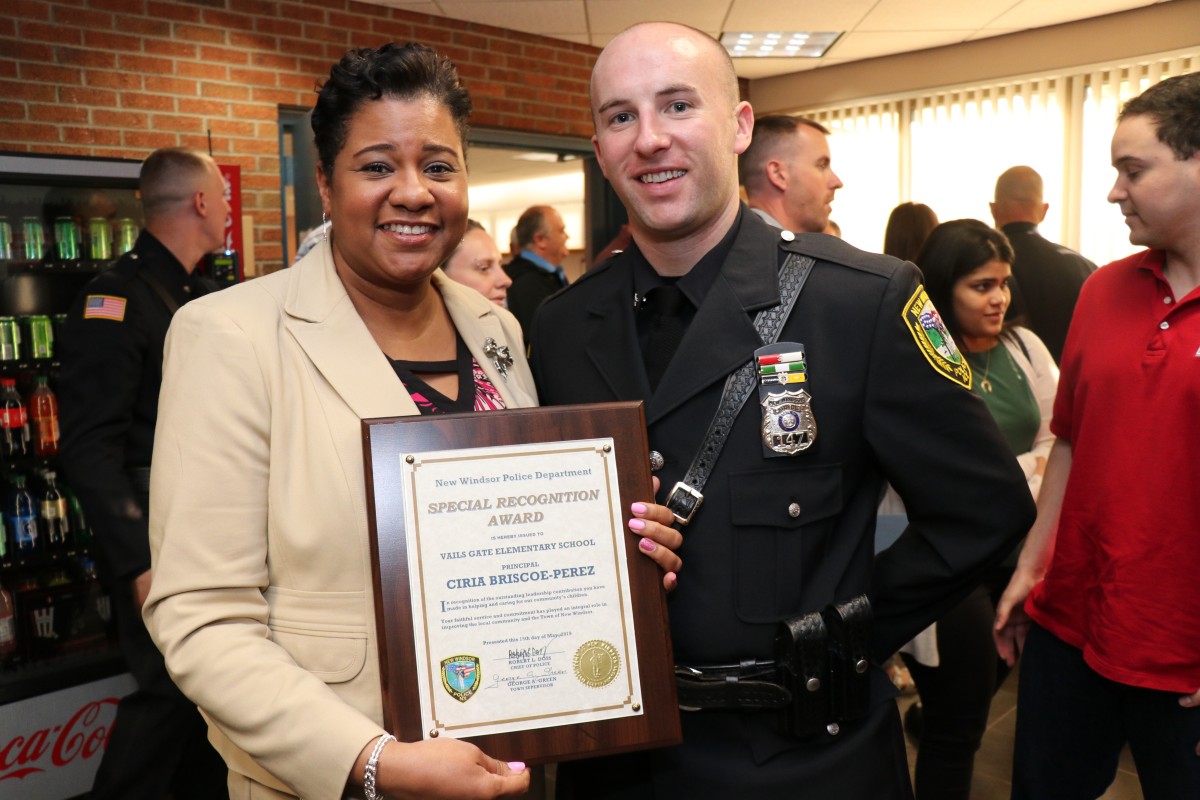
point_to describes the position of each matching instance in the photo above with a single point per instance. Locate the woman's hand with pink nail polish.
(659, 540)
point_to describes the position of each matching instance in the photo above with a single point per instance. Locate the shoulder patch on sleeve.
(926, 325)
(104, 306)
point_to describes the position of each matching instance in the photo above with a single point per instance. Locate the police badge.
(788, 424)
(460, 676)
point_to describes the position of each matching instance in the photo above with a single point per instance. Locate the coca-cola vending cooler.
(62, 220)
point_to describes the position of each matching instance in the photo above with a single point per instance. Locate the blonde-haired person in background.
(476, 263)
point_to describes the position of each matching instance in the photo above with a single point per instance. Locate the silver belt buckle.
(692, 501)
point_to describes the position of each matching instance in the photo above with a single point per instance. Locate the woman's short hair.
(952, 250)
(907, 227)
(398, 71)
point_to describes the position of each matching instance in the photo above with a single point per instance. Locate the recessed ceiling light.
(800, 44)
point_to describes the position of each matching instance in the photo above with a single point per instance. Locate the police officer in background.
(108, 396)
(770, 622)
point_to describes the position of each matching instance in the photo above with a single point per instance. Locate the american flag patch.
(103, 306)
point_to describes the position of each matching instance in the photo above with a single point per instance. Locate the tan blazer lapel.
(477, 319)
(328, 329)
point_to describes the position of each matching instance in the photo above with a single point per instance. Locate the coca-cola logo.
(81, 738)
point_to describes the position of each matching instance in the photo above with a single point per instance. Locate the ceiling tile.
(799, 15)
(917, 15)
(988, 33)
(1037, 13)
(614, 16)
(754, 68)
(873, 44)
(530, 16)
(602, 39)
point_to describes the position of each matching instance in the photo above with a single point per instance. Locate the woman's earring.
(324, 226)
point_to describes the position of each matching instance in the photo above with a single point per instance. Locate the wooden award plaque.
(652, 716)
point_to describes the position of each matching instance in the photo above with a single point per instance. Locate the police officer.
(109, 384)
(771, 631)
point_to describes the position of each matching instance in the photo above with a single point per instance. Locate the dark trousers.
(159, 743)
(956, 696)
(731, 755)
(1072, 724)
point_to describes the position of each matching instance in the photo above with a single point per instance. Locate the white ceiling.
(872, 27)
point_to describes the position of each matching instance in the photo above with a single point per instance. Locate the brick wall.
(119, 78)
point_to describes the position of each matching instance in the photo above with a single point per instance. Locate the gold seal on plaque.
(597, 663)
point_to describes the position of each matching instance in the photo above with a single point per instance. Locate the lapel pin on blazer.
(499, 355)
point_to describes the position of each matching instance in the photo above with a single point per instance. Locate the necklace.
(984, 383)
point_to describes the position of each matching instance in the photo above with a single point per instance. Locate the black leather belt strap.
(687, 494)
(749, 685)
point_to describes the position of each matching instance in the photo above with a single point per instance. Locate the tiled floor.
(993, 762)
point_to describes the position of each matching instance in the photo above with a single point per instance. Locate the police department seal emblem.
(929, 330)
(788, 425)
(460, 676)
(597, 663)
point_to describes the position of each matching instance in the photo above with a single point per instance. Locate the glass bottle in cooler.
(54, 519)
(43, 412)
(14, 420)
(77, 521)
(23, 515)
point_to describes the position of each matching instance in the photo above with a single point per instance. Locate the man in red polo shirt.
(1104, 601)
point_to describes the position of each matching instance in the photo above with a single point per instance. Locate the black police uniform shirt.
(108, 387)
(777, 537)
(782, 536)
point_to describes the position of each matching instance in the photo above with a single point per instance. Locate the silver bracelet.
(373, 767)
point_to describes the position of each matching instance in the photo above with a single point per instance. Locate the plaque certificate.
(512, 605)
(519, 587)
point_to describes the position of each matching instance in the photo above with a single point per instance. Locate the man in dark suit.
(1047, 277)
(536, 271)
(870, 392)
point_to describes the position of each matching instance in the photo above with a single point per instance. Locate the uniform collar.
(156, 258)
(696, 283)
(1019, 227)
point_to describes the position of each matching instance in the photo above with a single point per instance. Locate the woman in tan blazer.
(261, 598)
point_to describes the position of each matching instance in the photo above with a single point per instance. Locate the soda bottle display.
(23, 516)
(14, 420)
(43, 410)
(55, 522)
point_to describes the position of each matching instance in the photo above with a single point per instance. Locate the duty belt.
(819, 678)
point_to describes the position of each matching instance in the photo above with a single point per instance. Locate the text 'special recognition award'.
(511, 607)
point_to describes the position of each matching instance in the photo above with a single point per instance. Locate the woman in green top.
(967, 267)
